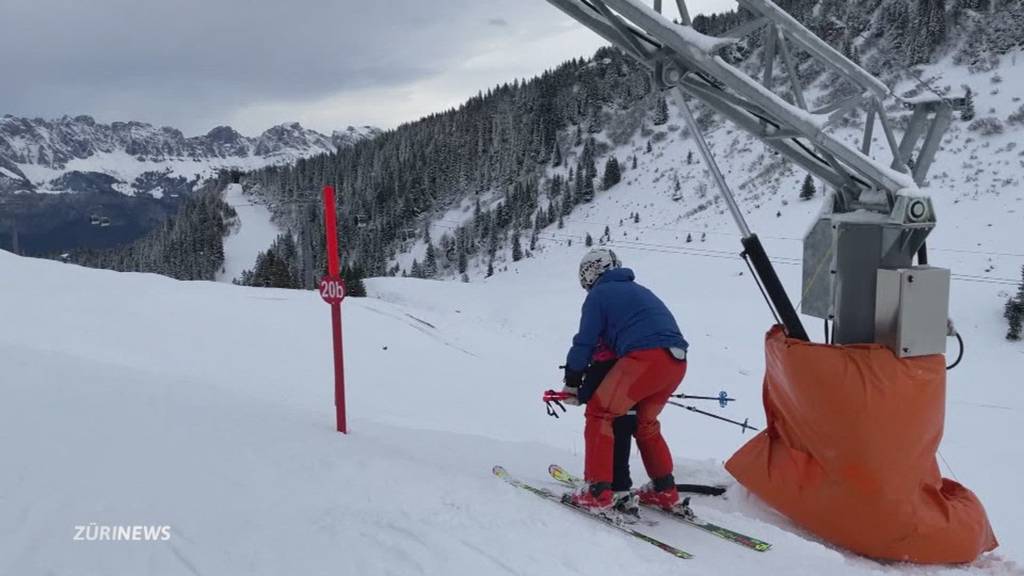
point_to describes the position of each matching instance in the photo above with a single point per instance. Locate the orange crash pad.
(849, 453)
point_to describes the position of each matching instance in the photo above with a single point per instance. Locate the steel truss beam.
(680, 56)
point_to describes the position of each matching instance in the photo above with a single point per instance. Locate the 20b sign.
(332, 289)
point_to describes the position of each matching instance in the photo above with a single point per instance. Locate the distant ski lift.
(94, 219)
(104, 221)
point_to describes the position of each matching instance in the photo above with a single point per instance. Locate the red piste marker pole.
(332, 290)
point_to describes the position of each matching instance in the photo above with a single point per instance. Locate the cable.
(960, 355)
(939, 452)
(726, 255)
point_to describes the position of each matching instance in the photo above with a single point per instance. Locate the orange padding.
(849, 453)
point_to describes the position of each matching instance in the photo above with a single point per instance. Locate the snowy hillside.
(667, 202)
(138, 400)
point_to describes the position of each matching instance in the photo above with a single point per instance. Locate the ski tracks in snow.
(419, 325)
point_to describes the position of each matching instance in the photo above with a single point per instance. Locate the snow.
(135, 399)
(861, 216)
(253, 233)
(703, 42)
(208, 408)
(8, 173)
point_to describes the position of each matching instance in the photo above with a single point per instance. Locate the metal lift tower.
(859, 259)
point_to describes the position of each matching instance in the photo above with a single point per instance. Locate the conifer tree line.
(187, 246)
(496, 150)
(277, 268)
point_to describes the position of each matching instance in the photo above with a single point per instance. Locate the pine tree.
(689, 238)
(577, 192)
(967, 112)
(807, 191)
(430, 263)
(660, 111)
(689, 157)
(636, 217)
(594, 124)
(556, 186)
(490, 268)
(612, 173)
(517, 248)
(649, 147)
(463, 263)
(634, 161)
(588, 241)
(354, 285)
(1014, 313)
(556, 156)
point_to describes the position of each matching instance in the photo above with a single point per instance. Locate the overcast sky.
(196, 64)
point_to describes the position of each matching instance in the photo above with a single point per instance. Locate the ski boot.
(660, 493)
(595, 498)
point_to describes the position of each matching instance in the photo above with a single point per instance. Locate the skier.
(652, 362)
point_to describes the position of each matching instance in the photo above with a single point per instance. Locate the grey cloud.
(190, 62)
(195, 63)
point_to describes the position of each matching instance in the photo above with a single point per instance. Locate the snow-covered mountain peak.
(37, 153)
(353, 135)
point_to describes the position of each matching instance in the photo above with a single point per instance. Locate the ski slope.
(253, 233)
(133, 399)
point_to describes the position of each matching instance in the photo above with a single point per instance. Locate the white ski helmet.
(594, 263)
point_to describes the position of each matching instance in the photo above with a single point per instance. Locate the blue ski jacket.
(628, 316)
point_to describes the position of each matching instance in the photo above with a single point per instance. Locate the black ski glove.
(573, 379)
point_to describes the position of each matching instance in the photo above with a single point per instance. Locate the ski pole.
(744, 425)
(552, 397)
(722, 398)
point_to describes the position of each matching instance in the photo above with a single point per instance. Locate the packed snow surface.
(133, 399)
(252, 233)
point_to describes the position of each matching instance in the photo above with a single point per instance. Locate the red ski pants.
(645, 379)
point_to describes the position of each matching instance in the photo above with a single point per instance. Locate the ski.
(563, 476)
(500, 472)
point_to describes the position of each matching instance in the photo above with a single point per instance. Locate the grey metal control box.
(911, 310)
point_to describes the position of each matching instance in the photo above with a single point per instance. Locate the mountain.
(59, 177)
(37, 155)
(354, 135)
